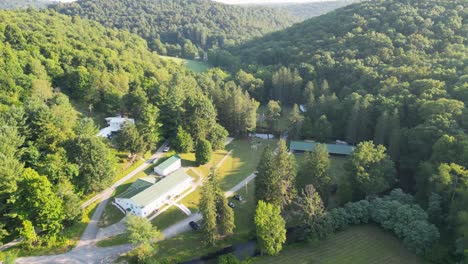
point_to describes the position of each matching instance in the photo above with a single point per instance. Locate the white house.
(144, 197)
(168, 166)
(302, 108)
(115, 124)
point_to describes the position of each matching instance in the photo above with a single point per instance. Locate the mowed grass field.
(196, 66)
(237, 166)
(366, 244)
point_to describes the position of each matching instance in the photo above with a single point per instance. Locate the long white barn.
(145, 195)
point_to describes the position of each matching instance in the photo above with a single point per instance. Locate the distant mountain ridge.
(182, 28)
(311, 9)
(14, 4)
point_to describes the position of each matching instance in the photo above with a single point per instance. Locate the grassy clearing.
(190, 245)
(113, 241)
(242, 162)
(196, 66)
(359, 244)
(169, 217)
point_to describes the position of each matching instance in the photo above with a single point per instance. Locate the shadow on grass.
(189, 163)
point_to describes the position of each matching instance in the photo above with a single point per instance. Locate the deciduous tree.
(270, 227)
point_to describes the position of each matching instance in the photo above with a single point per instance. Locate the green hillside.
(181, 27)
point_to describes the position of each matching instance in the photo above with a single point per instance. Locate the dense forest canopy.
(13, 4)
(313, 9)
(59, 72)
(394, 72)
(181, 27)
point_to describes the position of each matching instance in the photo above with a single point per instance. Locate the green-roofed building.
(144, 197)
(308, 146)
(168, 166)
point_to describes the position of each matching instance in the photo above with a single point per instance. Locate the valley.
(177, 131)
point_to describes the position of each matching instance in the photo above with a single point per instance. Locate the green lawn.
(113, 241)
(169, 217)
(359, 244)
(190, 245)
(194, 65)
(242, 162)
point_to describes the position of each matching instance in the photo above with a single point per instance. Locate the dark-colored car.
(238, 197)
(231, 204)
(194, 225)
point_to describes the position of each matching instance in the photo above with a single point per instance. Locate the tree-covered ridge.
(308, 10)
(394, 72)
(13, 4)
(55, 73)
(92, 64)
(181, 27)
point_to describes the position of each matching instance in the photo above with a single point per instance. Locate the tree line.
(182, 28)
(59, 77)
(391, 72)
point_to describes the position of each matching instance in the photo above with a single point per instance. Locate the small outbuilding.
(144, 197)
(168, 166)
(308, 146)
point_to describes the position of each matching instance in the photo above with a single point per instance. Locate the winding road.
(86, 251)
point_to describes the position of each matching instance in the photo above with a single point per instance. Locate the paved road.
(142, 167)
(85, 250)
(83, 255)
(87, 253)
(183, 226)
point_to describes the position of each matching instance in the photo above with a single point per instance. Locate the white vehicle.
(166, 149)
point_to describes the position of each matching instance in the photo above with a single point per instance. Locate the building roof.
(120, 119)
(168, 162)
(159, 189)
(137, 186)
(339, 149)
(105, 132)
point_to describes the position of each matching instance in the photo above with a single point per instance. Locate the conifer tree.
(224, 213)
(208, 211)
(381, 129)
(316, 168)
(265, 180)
(285, 168)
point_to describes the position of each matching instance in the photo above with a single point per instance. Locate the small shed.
(308, 146)
(168, 166)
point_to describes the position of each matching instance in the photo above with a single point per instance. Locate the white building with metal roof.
(143, 197)
(115, 124)
(168, 166)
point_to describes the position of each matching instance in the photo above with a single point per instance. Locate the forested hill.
(13, 4)
(308, 10)
(55, 73)
(186, 27)
(394, 72)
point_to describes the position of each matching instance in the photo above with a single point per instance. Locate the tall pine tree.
(208, 211)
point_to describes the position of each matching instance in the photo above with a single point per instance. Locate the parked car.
(194, 225)
(231, 204)
(238, 197)
(166, 149)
